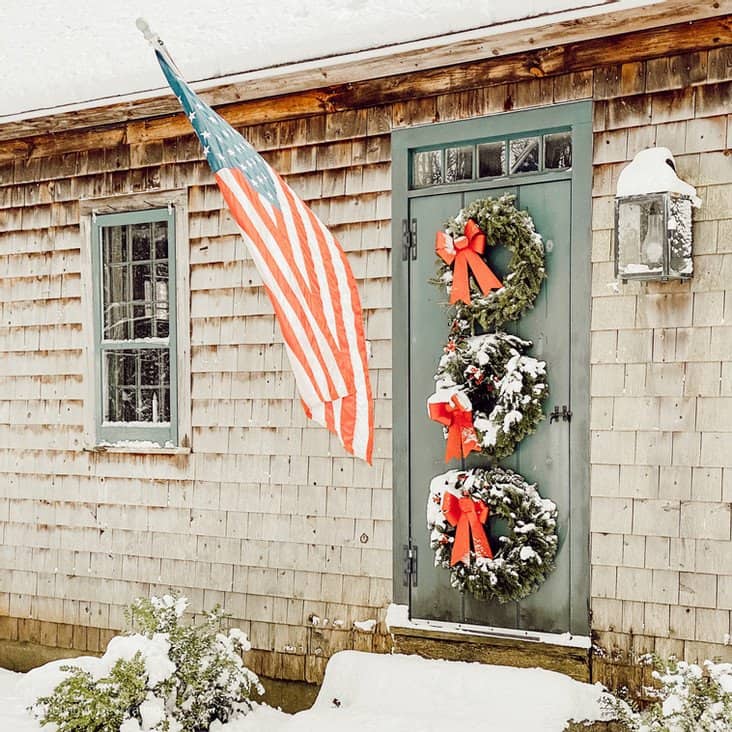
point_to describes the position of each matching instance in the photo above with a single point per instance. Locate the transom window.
(492, 158)
(133, 256)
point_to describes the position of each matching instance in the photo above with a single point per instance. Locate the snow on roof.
(54, 54)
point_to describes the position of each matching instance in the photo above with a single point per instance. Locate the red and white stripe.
(315, 298)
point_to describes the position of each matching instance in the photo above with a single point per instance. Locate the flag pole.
(156, 42)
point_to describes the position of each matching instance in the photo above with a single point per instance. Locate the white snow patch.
(152, 711)
(365, 692)
(154, 652)
(365, 626)
(135, 444)
(649, 172)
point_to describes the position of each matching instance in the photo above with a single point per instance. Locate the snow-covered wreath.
(503, 388)
(483, 299)
(461, 502)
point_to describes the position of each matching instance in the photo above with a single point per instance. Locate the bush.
(688, 698)
(166, 677)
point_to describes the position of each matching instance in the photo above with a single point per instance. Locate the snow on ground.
(57, 53)
(365, 692)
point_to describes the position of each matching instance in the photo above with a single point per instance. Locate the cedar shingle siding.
(267, 515)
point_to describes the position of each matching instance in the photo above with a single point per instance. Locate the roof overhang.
(536, 34)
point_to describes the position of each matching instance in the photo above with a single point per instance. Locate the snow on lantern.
(653, 219)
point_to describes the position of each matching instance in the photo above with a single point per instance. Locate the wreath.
(510, 567)
(482, 299)
(503, 388)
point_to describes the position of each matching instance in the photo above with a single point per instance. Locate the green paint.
(556, 456)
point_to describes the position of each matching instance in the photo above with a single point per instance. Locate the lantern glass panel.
(641, 236)
(679, 233)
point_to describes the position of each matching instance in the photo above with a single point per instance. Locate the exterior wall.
(267, 515)
(661, 420)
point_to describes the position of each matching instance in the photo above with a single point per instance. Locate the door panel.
(542, 457)
(559, 202)
(432, 597)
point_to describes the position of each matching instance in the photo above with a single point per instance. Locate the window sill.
(138, 450)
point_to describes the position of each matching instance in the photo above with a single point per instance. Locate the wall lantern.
(653, 219)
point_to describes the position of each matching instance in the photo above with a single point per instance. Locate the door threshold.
(563, 652)
(397, 618)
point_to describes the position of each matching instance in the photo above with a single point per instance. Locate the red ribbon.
(461, 437)
(465, 252)
(469, 516)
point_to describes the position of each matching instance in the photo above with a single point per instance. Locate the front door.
(541, 157)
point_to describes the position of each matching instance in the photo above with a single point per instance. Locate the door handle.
(565, 414)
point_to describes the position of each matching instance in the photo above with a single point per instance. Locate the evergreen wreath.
(505, 388)
(503, 225)
(522, 560)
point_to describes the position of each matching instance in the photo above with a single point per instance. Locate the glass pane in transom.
(427, 168)
(458, 164)
(558, 151)
(491, 159)
(524, 155)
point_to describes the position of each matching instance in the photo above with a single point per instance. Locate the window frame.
(507, 177)
(170, 206)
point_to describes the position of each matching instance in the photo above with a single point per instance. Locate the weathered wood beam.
(616, 50)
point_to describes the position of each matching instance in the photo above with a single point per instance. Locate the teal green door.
(555, 456)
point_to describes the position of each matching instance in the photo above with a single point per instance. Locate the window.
(135, 326)
(497, 158)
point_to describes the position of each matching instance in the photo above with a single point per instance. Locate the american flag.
(305, 273)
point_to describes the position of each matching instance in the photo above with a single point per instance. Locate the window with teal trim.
(491, 158)
(133, 256)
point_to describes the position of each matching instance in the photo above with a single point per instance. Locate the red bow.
(469, 516)
(457, 416)
(465, 252)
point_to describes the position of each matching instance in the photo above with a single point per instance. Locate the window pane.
(458, 164)
(160, 236)
(135, 281)
(524, 155)
(558, 150)
(427, 168)
(116, 308)
(491, 159)
(114, 244)
(141, 241)
(141, 281)
(137, 385)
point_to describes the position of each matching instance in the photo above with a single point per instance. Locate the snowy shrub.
(167, 676)
(688, 698)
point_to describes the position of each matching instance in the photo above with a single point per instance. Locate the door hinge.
(409, 239)
(565, 414)
(410, 565)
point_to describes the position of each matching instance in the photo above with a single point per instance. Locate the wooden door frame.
(578, 116)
